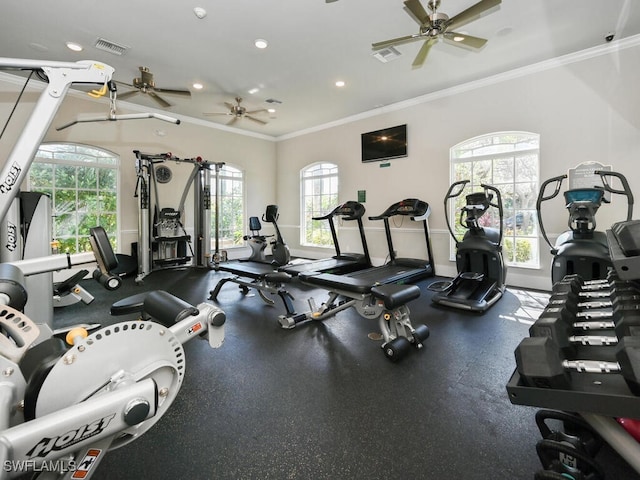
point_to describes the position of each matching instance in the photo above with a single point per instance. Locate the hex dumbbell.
(558, 323)
(541, 363)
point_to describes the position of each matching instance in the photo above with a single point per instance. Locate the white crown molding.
(561, 61)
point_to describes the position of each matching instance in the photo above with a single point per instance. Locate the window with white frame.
(508, 161)
(231, 204)
(319, 188)
(82, 182)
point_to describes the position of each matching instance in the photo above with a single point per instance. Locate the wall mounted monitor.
(384, 144)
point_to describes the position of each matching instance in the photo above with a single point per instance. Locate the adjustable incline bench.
(386, 303)
(263, 277)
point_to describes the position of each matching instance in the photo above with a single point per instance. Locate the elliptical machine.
(280, 254)
(582, 249)
(482, 272)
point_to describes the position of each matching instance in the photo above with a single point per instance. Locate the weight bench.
(263, 277)
(69, 291)
(386, 303)
(106, 259)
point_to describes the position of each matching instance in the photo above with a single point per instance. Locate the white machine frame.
(70, 433)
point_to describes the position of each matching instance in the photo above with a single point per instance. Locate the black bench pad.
(395, 295)
(331, 281)
(255, 270)
(132, 304)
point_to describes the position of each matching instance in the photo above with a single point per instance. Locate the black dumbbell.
(558, 323)
(576, 284)
(626, 320)
(541, 363)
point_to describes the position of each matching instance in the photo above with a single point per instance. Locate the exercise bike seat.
(394, 295)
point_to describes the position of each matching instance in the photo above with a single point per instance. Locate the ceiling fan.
(238, 112)
(146, 84)
(436, 25)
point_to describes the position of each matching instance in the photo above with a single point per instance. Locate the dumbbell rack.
(598, 397)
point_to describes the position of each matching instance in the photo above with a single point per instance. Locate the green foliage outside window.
(82, 182)
(507, 161)
(319, 184)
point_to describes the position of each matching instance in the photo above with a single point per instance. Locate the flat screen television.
(384, 144)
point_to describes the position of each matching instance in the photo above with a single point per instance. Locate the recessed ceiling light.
(74, 46)
(198, 86)
(254, 90)
(340, 83)
(271, 110)
(200, 12)
(261, 43)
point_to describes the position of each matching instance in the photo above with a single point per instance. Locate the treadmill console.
(410, 207)
(350, 210)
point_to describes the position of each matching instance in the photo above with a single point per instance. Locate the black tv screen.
(384, 144)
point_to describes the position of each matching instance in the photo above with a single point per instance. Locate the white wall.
(254, 155)
(586, 110)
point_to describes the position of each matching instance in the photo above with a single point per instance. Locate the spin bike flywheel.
(116, 355)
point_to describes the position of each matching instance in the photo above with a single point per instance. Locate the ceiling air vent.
(273, 100)
(387, 54)
(111, 47)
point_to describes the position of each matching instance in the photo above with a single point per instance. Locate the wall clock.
(163, 174)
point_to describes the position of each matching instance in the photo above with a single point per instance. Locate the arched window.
(508, 161)
(82, 182)
(231, 202)
(319, 187)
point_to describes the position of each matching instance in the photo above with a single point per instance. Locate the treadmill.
(401, 270)
(340, 263)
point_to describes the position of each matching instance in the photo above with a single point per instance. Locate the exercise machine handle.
(497, 205)
(455, 190)
(458, 187)
(542, 198)
(626, 190)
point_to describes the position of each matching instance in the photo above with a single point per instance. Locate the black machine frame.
(482, 271)
(399, 269)
(341, 262)
(582, 249)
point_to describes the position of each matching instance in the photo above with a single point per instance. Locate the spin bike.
(582, 250)
(482, 272)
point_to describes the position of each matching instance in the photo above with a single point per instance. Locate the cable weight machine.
(162, 238)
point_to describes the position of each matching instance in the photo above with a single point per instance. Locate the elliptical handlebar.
(455, 190)
(626, 190)
(497, 205)
(542, 198)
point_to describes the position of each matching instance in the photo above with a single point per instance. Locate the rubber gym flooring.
(321, 401)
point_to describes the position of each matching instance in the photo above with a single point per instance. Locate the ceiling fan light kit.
(437, 26)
